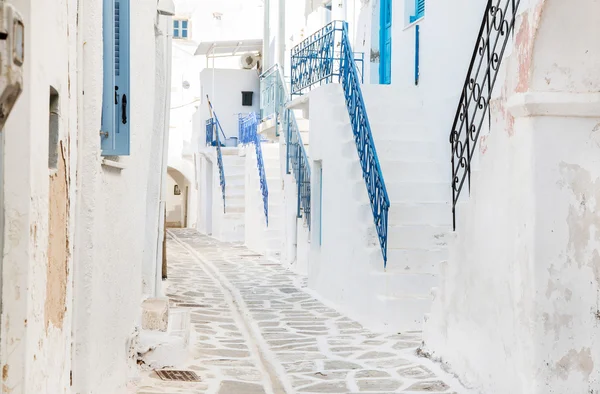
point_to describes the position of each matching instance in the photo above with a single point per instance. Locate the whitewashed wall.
(224, 87)
(522, 280)
(76, 308)
(112, 216)
(36, 321)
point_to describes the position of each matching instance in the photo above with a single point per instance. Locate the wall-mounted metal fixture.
(177, 190)
(12, 57)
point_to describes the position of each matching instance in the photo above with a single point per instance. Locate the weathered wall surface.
(522, 279)
(112, 210)
(37, 260)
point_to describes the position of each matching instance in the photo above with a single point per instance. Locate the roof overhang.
(228, 48)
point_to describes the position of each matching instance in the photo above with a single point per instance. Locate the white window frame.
(178, 31)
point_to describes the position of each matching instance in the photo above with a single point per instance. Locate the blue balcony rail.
(248, 130)
(298, 164)
(318, 59)
(273, 83)
(272, 94)
(211, 130)
(316, 63)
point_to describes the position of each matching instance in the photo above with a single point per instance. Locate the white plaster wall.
(175, 204)
(225, 87)
(63, 49)
(112, 217)
(340, 267)
(254, 235)
(159, 137)
(521, 282)
(36, 358)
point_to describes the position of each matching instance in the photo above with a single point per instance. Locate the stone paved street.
(255, 330)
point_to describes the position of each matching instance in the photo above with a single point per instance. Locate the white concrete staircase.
(417, 180)
(229, 226)
(259, 237)
(348, 267)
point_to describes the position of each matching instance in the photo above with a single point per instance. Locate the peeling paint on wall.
(575, 361)
(58, 245)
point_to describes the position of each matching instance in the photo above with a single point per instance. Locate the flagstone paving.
(256, 331)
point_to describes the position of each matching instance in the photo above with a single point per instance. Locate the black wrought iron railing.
(473, 107)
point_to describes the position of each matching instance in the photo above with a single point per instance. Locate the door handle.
(124, 109)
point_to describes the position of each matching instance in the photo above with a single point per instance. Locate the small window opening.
(247, 99)
(53, 129)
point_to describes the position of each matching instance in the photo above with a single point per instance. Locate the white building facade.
(487, 243)
(81, 194)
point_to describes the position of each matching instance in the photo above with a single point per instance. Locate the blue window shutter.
(184, 24)
(184, 33)
(175, 33)
(116, 99)
(419, 10)
(175, 24)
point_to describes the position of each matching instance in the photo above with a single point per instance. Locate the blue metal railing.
(248, 130)
(315, 63)
(272, 94)
(318, 59)
(212, 125)
(273, 104)
(297, 163)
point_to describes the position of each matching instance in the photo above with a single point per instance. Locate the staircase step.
(411, 171)
(415, 192)
(417, 237)
(401, 284)
(415, 260)
(401, 131)
(408, 150)
(420, 213)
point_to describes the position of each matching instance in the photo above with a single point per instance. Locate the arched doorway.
(177, 199)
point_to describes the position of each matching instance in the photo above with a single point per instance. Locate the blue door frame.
(385, 42)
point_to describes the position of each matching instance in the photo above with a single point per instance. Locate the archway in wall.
(177, 199)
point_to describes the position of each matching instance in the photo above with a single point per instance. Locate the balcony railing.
(314, 63)
(273, 103)
(212, 139)
(248, 133)
(298, 164)
(272, 94)
(496, 27)
(318, 59)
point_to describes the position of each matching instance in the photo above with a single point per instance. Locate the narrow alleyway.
(255, 330)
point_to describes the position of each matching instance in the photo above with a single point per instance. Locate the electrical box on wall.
(247, 99)
(12, 53)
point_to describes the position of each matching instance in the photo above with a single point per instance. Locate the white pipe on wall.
(164, 156)
(266, 35)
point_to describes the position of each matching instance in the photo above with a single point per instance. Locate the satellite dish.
(186, 85)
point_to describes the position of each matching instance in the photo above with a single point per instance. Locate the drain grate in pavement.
(181, 376)
(192, 305)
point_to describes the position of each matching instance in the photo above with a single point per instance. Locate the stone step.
(421, 213)
(417, 237)
(418, 192)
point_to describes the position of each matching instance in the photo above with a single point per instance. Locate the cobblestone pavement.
(256, 331)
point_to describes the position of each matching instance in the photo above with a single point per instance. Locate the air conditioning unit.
(248, 61)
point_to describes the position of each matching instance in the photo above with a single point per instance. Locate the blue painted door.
(385, 42)
(116, 101)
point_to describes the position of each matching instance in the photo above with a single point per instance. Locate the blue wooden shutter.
(116, 99)
(419, 10)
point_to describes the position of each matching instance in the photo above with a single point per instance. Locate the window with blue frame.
(115, 127)
(419, 11)
(180, 28)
